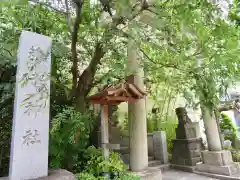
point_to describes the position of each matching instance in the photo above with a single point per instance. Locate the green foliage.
(155, 123)
(170, 41)
(68, 138)
(86, 176)
(122, 176)
(226, 124)
(234, 13)
(235, 155)
(95, 163)
(127, 176)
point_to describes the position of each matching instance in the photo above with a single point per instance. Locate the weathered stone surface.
(186, 129)
(58, 174)
(150, 144)
(183, 167)
(218, 162)
(160, 146)
(228, 170)
(218, 158)
(186, 151)
(29, 145)
(179, 175)
(188, 145)
(150, 173)
(114, 136)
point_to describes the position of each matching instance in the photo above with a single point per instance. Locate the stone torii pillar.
(137, 116)
(215, 160)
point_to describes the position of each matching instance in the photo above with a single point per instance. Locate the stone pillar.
(211, 129)
(137, 117)
(30, 131)
(29, 145)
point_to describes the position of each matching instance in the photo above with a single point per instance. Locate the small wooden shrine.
(125, 92)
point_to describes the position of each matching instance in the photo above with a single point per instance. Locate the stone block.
(192, 161)
(114, 135)
(228, 170)
(160, 146)
(195, 153)
(183, 167)
(236, 143)
(218, 158)
(30, 128)
(195, 145)
(178, 160)
(58, 174)
(124, 141)
(186, 152)
(150, 144)
(113, 146)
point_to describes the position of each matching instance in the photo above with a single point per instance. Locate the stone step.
(162, 167)
(154, 163)
(123, 150)
(125, 158)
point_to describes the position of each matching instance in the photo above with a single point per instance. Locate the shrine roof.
(124, 92)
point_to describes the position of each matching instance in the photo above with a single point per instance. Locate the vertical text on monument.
(29, 146)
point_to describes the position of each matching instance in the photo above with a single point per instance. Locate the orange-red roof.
(124, 92)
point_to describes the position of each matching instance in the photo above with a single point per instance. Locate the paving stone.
(180, 175)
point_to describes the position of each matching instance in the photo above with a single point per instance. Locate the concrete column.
(211, 129)
(137, 117)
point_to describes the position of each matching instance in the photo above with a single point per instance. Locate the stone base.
(58, 174)
(183, 168)
(218, 158)
(186, 152)
(227, 170)
(218, 176)
(218, 162)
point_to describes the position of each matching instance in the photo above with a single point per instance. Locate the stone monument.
(188, 143)
(160, 146)
(30, 132)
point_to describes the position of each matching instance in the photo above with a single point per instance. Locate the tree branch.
(162, 65)
(77, 22)
(47, 6)
(85, 82)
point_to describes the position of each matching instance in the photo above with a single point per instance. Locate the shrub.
(226, 124)
(236, 155)
(96, 164)
(126, 176)
(122, 176)
(68, 139)
(85, 176)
